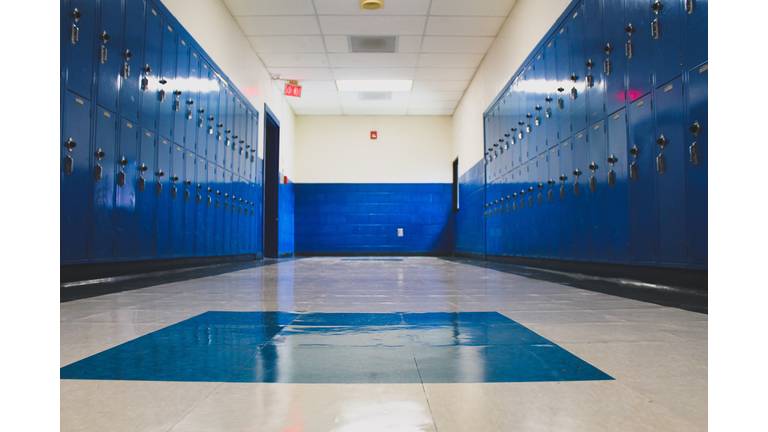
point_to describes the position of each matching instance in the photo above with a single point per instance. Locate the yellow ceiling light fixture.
(371, 4)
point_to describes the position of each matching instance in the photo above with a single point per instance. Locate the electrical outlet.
(399, 232)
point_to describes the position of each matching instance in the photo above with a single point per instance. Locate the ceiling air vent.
(372, 44)
(385, 95)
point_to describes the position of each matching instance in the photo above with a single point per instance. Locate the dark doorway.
(456, 185)
(271, 181)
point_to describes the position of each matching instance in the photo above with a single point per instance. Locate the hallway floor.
(378, 344)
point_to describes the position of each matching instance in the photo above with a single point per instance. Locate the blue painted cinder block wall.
(470, 222)
(335, 217)
(285, 223)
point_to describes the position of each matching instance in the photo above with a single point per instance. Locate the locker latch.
(75, 34)
(694, 150)
(611, 178)
(607, 66)
(574, 93)
(189, 115)
(68, 164)
(549, 195)
(539, 198)
(560, 103)
(103, 54)
(590, 81)
(162, 95)
(121, 178)
(208, 202)
(199, 199)
(633, 171)
(173, 192)
(655, 28)
(661, 163)
(126, 70)
(562, 192)
(210, 130)
(97, 172)
(689, 6)
(628, 49)
(200, 122)
(186, 195)
(218, 204)
(576, 188)
(592, 183)
(141, 184)
(548, 112)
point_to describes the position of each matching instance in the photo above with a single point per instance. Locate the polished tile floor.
(357, 343)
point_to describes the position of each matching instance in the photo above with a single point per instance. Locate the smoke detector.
(371, 4)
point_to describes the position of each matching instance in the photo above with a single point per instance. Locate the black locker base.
(91, 271)
(371, 253)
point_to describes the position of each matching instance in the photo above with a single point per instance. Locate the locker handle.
(612, 160)
(657, 6)
(123, 162)
(655, 28)
(68, 165)
(694, 150)
(607, 48)
(76, 14)
(611, 178)
(590, 63)
(661, 163)
(629, 29)
(141, 184)
(592, 183)
(695, 129)
(634, 151)
(121, 179)
(143, 168)
(71, 144)
(662, 141)
(105, 37)
(628, 49)
(689, 6)
(633, 171)
(75, 34)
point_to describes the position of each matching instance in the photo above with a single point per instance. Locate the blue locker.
(239, 138)
(577, 85)
(177, 199)
(201, 209)
(181, 92)
(642, 197)
(525, 208)
(169, 101)
(563, 75)
(541, 204)
(696, 32)
(548, 101)
(534, 209)
(637, 48)
(163, 193)
(521, 122)
(238, 215)
(696, 141)
(230, 125)
(74, 178)
(617, 192)
(567, 213)
(190, 195)
(530, 132)
(211, 117)
(146, 187)
(130, 87)
(151, 89)
(211, 210)
(103, 181)
(582, 221)
(538, 102)
(594, 43)
(597, 190)
(670, 173)
(126, 192)
(614, 61)
(554, 203)
(667, 40)
(227, 213)
(222, 136)
(82, 17)
(509, 130)
(193, 105)
(109, 56)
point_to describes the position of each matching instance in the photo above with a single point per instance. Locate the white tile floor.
(657, 355)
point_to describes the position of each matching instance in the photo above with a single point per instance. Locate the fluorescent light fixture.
(374, 85)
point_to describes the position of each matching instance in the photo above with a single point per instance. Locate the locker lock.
(486, 206)
(218, 192)
(177, 92)
(241, 200)
(76, 14)
(210, 118)
(514, 195)
(513, 129)
(612, 160)
(662, 141)
(241, 141)
(226, 195)
(530, 189)
(695, 129)
(496, 202)
(629, 29)
(163, 81)
(562, 177)
(657, 6)
(634, 151)
(560, 89)
(123, 162)
(219, 125)
(506, 135)
(105, 37)
(189, 182)
(522, 192)
(548, 99)
(593, 166)
(143, 168)
(502, 200)
(191, 102)
(574, 77)
(607, 48)
(528, 115)
(577, 172)
(128, 54)
(100, 154)
(538, 108)
(234, 137)
(201, 110)
(147, 69)
(229, 131)
(160, 173)
(199, 186)
(210, 190)
(550, 182)
(539, 185)
(590, 63)
(175, 178)
(521, 123)
(71, 144)
(507, 197)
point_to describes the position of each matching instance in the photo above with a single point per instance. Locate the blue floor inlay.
(463, 347)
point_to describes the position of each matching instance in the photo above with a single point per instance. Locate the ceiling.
(440, 45)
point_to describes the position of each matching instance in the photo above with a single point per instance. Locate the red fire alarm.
(293, 89)
(374, 135)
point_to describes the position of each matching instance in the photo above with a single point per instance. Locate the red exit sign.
(293, 90)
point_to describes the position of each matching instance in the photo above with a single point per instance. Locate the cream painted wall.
(211, 25)
(526, 25)
(338, 149)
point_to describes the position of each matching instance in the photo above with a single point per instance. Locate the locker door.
(168, 98)
(505, 128)
(125, 196)
(550, 112)
(201, 213)
(146, 187)
(617, 192)
(211, 212)
(211, 117)
(667, 43)
(529, 112)
(541, 204)
(671, 155)
(553, 203)
(227, 212)
(531, 204)
(222, 135)
(189, 197)
(109, 58)
(582, 222)
(133, 43)
(181, 92)
(230, 125)
(74, 177)
(103, 177)
(563, 74)
(163, 194)
(642, 189)
(221, 220)
(538, 103)
(637, 48)
(525, 210)
(696, 28)
(237, 240)
(177, 199)
(595, 79)
(597, 189)
(238, 139)
(577, 85)
(82, 16)
(193, 104)
(614, 60)
(566, 197)
(696, 136)
(151, 89)
(521, 121)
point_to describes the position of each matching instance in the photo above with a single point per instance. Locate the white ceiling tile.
(408, 44)
(432, 104)
(372, 60)
(317, 111)
(348, 96)
(287, 44)
(374, 73)
(318, 85)
(461, 74)
(450, 44)
(319, 95)
(372, 25)
(450, 60)
(464, 26)
(337, 44)
(294, 60)
(391, 7)
(375, 111)
(436, 96)
(401, 96)
(270, 7)
(431, 112)
(374, 104)
(437, 85)
(303, 73)
(278, 25)
(301, 103)
(499, 8)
